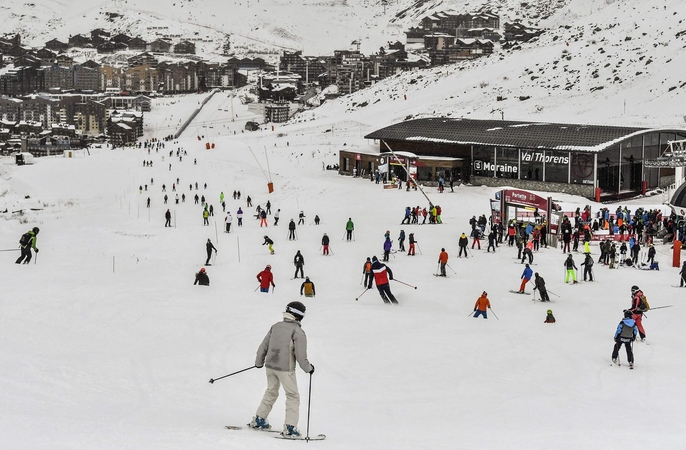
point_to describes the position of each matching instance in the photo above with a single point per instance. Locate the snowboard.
(517, 292)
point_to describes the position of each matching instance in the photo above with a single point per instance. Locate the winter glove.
(36, 250)
(311, 371)
(475, 309)
(273, 285)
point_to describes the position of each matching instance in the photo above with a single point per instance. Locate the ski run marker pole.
(406, 284)
(212, 380)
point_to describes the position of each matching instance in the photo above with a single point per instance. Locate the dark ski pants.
(348, 234)
(386, 295)
(276, 221)
(490, 246)
(402, 245)
(228, 227)
(25, 255)
(167, 223)
(480, 313)
(536, 246)
(299, 269)
(291, 235)
(209, 256)
(463, 249)
(368, 277)
(629, 351)
(386, 254)
(443, 269)
(544, 295)
(683, 280)
(588, 271)
(565, 248)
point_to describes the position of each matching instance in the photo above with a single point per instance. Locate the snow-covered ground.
(106, 344)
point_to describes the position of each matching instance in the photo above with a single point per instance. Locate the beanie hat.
(550, 311)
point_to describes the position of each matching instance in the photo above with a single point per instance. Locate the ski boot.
(259, 422)
(290, 431)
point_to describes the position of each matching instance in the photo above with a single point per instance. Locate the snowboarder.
(201, 278)
(266, 278)
(625, 334)
(401, 240)
(571, 269)
(299, 262)
(291, 230)
(208, 248)
(526, 276)
(28, 242)
(349, 228)
(285, 344)
(410, 251)
(463, 242)
(482, 306)
(638, 307)
(539, 283)
(549, 318)
(308, 288)
(167, 217)
(382, 274)
(301, 218)
(227, 220)
(325, 244)
(269, 243)
(443, 260)
(588, 267)
(276, 217)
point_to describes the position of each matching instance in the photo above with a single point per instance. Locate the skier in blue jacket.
(626, 334)
(526, 276)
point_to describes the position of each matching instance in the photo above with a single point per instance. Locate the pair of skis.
(279, 435)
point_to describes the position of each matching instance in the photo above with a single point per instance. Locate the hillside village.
(48, 92)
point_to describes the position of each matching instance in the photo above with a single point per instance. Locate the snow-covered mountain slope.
(619, 63)
(314, 26)
(106, 344)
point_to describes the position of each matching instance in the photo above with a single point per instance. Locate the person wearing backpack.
(639, 304)
(588, 267)
(27, 242)
(625, 334)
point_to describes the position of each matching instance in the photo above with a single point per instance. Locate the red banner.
(524, 198)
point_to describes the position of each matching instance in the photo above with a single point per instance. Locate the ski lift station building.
(594, 161)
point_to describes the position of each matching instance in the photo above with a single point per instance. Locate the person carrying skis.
(269, 243)
(387, 248)
(27, 241)
(639, 305)
(410, 251)
(571, 269)
(443, 260)
(308, 288)
(284, 344)
(382, 273)
(291, 230)
(482, 306)
(349, 228)
(625, 334)
(588, 267)
(539, 283)
(463, 242)
(368, 274)
(227, 220)
(201, 278)
(526, 276)
(299, 262)
(401, 240)
(325, 244)
(209, 247)
(266, 278)
(167, 217)
(549, 318)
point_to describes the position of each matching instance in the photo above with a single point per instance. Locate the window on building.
(557, 167)
(581, 168)
(531, 164)
(346, 164)
(483, 161)
(507, 162)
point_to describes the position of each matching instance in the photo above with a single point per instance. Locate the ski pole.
(660, 307)
(494, 314)
(438, 269)
(212, 380)
(548, 290)
(420, 250)
(35, 260)
(406, 284)
(471, 313)
(362, 279)
(258, 286)
(11, 250)
(309, 400)
(451, 268)
(358, 297)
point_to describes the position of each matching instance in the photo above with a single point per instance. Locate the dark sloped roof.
(553, 136)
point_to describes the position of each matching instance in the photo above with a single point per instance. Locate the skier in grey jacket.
(285, 344)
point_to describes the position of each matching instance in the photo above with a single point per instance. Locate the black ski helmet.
(628, 313)
(634, 289)
(36, 230)
(297, 309)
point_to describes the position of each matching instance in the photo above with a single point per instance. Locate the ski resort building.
(595, 161)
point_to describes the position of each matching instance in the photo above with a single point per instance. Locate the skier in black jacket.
(201, 278)
(463, 242)
(291, 230)
(209, 247)
(539, 284)
(299, 262)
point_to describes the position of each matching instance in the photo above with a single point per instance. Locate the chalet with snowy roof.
(595, 161)
(415, 36)
(46, 144)
(46, 55)
(56, 45)
(185, 47)
(64, 60)
(448, 23)
(516, 31)
(137, 43)
(80, 41)
(124, 127)
(483, 34)
(99, 36)
(120, 38)
(160, 45)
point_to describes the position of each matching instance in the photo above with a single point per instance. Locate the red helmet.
(202, 270)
